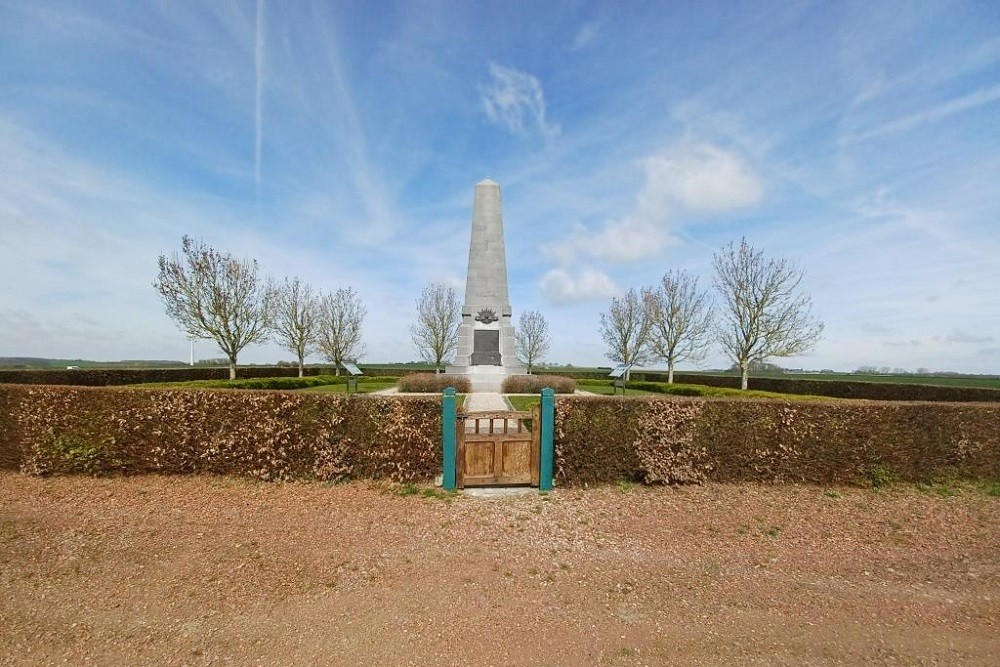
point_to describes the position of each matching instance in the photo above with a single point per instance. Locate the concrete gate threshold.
(492, 492)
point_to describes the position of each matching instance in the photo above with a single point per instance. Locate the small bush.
(880, 476)
(433, 383)
(68, 453)
(532, 384)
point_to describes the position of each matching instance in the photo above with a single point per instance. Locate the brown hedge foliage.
(532, 384)
(107, 377)
(678, 440)
(267, 435)
(10, 432)
(876, 391)
(593, 439)
(428, 383)
(279, 435)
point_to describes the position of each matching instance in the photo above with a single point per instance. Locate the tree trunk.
(336, 368)
(232, 368)
(300, 367)
(670, 373)
(744, 375)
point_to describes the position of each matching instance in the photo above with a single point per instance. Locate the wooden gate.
(498, 448)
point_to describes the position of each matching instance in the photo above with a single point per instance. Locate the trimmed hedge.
(87, 377)
(532, 384)
(93, 377)
(434, 383)
(266, 435)
(679, 440)
(276, 435)
(876, 391)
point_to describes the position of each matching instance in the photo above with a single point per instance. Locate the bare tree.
(532, 337)
(681, 320)
(764, 312)
(435, 333)
(296, 318)
(341, 317)
(625, 329)
(215, 296)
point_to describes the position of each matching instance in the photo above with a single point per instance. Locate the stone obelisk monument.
(486, 349)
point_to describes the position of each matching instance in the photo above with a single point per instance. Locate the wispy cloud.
(515, 100)
(981, 97)
(585, 284)
(585, 35)
(966, 337)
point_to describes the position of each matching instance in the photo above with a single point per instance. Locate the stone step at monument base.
(486, 378)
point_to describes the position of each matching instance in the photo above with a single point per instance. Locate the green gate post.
(448, 445)
(548, 448)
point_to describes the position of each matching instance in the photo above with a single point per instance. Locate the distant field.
(986, 382)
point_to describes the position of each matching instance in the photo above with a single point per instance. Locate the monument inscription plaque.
(486, 348)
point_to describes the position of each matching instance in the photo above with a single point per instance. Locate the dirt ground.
(213, 571)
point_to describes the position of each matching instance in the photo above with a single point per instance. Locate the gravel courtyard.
(212, 570)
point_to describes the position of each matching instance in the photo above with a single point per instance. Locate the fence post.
(548, 446)
(448, 445)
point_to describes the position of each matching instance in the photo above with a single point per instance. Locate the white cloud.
(697, 178)
(560, 286)
(585, 35)
(626, 240)
(700, 177)
(515, 100)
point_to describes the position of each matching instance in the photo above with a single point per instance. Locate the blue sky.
(341, 141)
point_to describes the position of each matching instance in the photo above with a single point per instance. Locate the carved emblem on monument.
(486, 316)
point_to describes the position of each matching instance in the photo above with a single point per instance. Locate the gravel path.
(207, 571)
(485, 401)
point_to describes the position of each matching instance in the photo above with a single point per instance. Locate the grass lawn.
(363, 387)
(609, 390)
(640, 388)
(281, 383)
(523, 403)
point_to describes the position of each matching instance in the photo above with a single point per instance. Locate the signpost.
(619, 374)
(352, 377)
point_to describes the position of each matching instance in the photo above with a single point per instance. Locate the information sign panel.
(351, 368)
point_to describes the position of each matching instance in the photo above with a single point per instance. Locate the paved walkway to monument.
(483, 401)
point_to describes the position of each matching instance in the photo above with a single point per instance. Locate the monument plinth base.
(486, 378)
